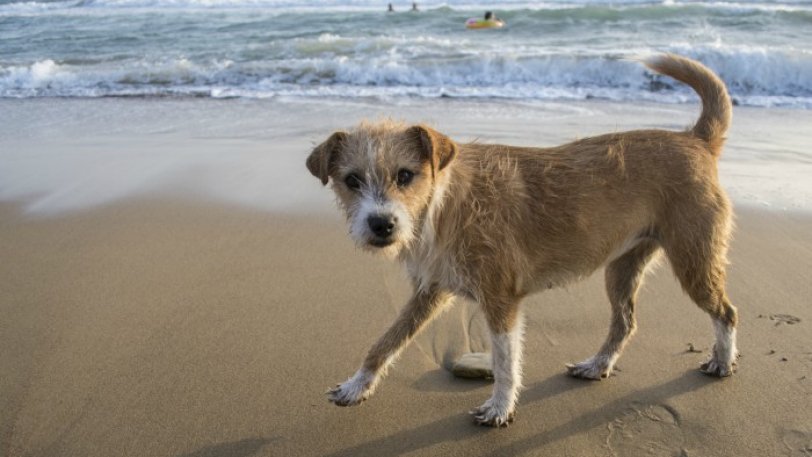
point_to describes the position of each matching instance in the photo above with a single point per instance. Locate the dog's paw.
(493, 414)
(716, 368)
(353, 391)
(592, 368)
(720, 366)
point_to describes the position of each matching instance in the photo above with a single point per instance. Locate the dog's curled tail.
(716, 107)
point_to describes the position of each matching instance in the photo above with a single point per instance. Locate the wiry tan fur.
(496, 223)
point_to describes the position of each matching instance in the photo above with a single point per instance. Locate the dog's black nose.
(381, 226)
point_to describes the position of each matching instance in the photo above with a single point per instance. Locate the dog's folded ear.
(324, 155)
(438, 148)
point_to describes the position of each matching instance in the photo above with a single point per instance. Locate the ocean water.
(553, 50)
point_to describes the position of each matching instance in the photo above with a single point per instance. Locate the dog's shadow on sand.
(441, 380)
(241, 448)
(460, 428)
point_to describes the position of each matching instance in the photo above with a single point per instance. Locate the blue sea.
(554, 50)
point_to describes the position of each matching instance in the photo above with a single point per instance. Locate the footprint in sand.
(650, 430)
(787, 319)
(798, 443)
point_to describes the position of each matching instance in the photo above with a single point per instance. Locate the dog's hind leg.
(423, 306)
(624, 276)
(507, 328)
(698, 257)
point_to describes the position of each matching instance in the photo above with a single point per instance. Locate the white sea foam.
(65, 155)
(755, 75)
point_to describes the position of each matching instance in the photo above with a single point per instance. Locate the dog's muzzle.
(383, 228)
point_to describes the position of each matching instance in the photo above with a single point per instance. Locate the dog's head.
(384, 176)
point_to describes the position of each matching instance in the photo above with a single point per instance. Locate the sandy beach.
(175, 283)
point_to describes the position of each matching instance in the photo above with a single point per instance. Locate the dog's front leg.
(421, 308)
(507, 327)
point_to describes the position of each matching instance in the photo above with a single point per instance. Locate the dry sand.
(158, 323)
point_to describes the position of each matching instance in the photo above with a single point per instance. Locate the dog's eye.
(404, 177)
(353, 181)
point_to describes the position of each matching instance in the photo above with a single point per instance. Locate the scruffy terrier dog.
(496, 223)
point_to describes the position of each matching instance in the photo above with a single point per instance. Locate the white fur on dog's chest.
(429, 266)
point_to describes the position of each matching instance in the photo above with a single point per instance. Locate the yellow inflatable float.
(489, 22)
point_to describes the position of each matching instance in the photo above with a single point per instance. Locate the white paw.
(494, 414)
(595, 368)
(722, 363)
(718, 368)
(354, 390)
(714, 368)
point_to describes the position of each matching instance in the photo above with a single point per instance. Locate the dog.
(496, 223)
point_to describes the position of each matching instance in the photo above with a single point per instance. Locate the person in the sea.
(489, 16)
(391, 9)
(414, 6)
